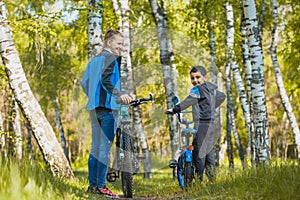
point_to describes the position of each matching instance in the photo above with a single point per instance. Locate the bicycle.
(184, 166)
(126, 163)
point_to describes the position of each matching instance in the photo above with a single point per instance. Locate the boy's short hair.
(200, 69)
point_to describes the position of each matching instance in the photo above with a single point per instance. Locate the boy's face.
(197, 78)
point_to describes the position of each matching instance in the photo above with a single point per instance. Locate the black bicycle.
(126, 163)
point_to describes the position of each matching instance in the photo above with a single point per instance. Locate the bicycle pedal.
(111, 176)
(173, 164)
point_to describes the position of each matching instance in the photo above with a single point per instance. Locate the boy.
(204, 99)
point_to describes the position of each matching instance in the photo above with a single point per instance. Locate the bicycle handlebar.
(137, 101)
(140, 101)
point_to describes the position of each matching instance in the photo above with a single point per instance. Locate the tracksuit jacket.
(101, 81)
(203, 99)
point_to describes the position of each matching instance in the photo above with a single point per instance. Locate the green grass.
(276, 181)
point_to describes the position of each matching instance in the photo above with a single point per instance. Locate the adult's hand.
(126, 98)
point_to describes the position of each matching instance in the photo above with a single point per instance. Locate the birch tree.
(30, 107)
(262, 15)
(284, 131)
(248, 79)
(2, 139)
(95, 44)
(61, 130)
(122, 9)
(215, 80)
(260, 115)
(168, 70)
(279, 81)
(18, 132)
(237, 77)
(29, 145)
(94, 27)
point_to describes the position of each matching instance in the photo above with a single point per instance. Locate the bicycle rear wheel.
(127, 171)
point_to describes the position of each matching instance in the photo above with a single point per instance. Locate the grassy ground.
(277, 181)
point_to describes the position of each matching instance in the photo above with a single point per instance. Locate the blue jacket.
(101, 81)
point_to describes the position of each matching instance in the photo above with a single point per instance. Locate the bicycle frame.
(126, 164)
(184, 165)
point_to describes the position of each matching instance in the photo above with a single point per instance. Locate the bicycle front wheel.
(127, 171)
(188, 174)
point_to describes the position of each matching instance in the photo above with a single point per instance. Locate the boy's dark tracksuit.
(203, 99)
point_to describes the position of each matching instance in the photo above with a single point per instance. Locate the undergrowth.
(275, 181)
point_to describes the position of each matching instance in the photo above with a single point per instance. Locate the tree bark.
(18, 132)
(229, 112)
(61, 130)
(168, 70)
(122, 9)
(3, 138)
(30, 107)
(279, 81)
(29, 145)
(94, 27)
(262, 15)
(215, 80)
(260, 115)
(248, 80)
(237, 79)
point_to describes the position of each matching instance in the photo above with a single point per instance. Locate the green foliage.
(276, 181)
(110, 19)
(54, 55)
(31, 182)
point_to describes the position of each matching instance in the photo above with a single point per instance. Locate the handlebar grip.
(169, 112)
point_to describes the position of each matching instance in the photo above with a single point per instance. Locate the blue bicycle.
(184, 167)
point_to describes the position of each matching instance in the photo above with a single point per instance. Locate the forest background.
(52, 42)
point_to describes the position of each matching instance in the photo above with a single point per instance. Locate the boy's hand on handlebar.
(126, 98)
(169, 111)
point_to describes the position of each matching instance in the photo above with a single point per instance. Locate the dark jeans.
(203, 154)
(103, 135)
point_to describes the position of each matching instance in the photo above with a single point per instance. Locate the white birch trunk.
(95, 44)
(236, 136)
(215, 80)
(228, 137)
(229, 111)
(248, 79)
(260, 115)
(32, 111)
(283, 95)
(122, 9)
(166, 56)
(262, 16)
(29, 146)
(94, 27)
(3, 138)
(117, 10)
(61, 130)
(237, 77)
(284, 131)
(18, 132)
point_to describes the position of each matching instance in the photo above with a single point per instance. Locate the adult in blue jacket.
(101, 83)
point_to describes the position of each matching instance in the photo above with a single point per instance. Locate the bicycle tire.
(127, 171)
(188, 174)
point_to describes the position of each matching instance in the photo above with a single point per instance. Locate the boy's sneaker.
(106, 192)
